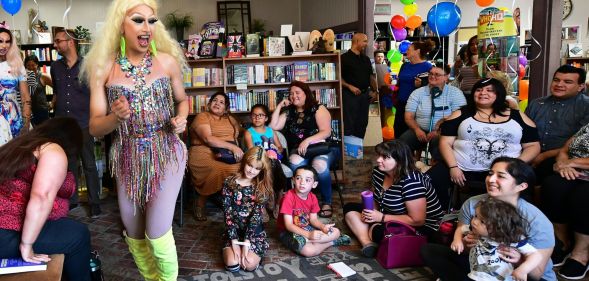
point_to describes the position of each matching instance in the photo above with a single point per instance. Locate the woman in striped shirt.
(401, 193)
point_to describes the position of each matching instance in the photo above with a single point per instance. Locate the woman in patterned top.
(304, 122)
(564, 201)
(35, 187)
(401, 193)
(135, 77)
(244, 197)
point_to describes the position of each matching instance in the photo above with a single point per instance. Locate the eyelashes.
(142, 20)
(7, 41)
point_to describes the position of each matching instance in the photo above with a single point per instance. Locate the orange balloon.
(484, 3)
(523, 89)
(388, 133)
(413, 22)
(387, 78)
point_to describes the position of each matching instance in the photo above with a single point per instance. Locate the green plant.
(175, 20)
(81, 33)
(258, 25)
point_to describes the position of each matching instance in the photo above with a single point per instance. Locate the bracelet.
(452, 167)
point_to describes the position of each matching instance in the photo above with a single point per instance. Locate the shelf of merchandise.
(226, 63)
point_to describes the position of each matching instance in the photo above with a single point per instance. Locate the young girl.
(244, 197)
(263, 136)
(497, 224)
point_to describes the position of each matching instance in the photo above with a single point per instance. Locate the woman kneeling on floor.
(401, 193)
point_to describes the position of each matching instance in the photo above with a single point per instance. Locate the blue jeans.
(63, 236)
(324, 177)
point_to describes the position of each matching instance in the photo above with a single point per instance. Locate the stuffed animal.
(329, 38)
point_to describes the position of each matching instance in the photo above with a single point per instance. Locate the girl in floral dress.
(244, 197)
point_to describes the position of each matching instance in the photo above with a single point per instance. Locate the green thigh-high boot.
(166, 258)
(143, 257)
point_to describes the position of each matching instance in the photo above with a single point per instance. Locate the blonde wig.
(107, 46)
(13, 57)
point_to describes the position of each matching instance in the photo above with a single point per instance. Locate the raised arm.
(279, 119)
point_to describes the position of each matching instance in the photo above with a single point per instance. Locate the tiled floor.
(198, 243)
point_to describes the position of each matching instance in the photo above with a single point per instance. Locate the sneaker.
(573, 270)
(342, 240)
(559, 255)
(95, 211)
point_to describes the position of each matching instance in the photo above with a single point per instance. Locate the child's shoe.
(342, 240)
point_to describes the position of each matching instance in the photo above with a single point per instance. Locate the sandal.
(326, 213)
(200, 213)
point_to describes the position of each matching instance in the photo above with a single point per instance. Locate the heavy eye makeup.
(7, 41)
(140, 20)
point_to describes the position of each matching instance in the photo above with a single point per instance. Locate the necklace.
(137, 74)
(485, 115)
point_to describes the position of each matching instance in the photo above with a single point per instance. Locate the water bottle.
(447, 232)
(95, 267)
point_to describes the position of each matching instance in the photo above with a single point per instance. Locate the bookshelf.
(252, 80)
(581, 62)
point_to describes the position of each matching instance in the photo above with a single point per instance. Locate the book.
(16, 265)
(341, 269)
(234, 46)
(207, 49)
(193, 45)
(276, 46)
(575, 50)
(252, 45)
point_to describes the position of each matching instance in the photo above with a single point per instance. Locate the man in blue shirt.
(71, 98)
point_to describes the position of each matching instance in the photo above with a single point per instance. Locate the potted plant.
(258, 26)
(178, 22)
(83, 36)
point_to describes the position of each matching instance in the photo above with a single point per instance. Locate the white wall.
(88, 12)
(319, 14)
(578, 17)
(469, 11)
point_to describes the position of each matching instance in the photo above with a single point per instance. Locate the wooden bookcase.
(582, 62)
(201, 93)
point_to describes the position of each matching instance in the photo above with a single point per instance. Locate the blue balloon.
(11, 6)
(404, 46)
(444, 18)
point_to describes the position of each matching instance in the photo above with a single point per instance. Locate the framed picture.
(207, 49)
(382, 9)
(17, 37)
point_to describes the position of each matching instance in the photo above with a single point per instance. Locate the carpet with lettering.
(315, 268)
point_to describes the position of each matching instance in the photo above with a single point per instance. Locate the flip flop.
(326, 213)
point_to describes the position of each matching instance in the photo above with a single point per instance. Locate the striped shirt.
(414, 186)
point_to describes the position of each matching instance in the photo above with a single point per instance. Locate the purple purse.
(400, 246)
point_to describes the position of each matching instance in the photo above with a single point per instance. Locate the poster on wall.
(382, 9)
(495, 22)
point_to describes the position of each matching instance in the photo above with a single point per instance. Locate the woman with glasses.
(428, 107)
(484, 129)
(13, 89)
(37, 82)
(305, 123)
(214, 128)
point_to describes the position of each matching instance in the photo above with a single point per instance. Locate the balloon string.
(393, 46)
(66, 21)
(539, 54)
(35, 18)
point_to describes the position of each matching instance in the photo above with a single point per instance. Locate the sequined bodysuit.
(145, 143)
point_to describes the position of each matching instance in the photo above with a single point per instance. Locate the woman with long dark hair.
(35, 187)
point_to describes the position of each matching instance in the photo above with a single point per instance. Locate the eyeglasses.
(57, 41)
(259, 116)
(437, 75)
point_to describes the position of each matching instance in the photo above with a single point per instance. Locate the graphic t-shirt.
(485, 263)
(300, 209)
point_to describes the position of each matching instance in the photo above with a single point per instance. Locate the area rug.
(300, 268)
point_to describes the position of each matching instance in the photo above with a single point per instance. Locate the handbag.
(224, 155)
(313, 150)
(400, 246)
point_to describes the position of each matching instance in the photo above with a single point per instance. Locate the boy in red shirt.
(300, 229)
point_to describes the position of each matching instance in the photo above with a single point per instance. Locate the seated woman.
(401, 193)
(479, 132)
(35, 187)
(506, 180)
(564, 200)
(305, 122)
(214, 128)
